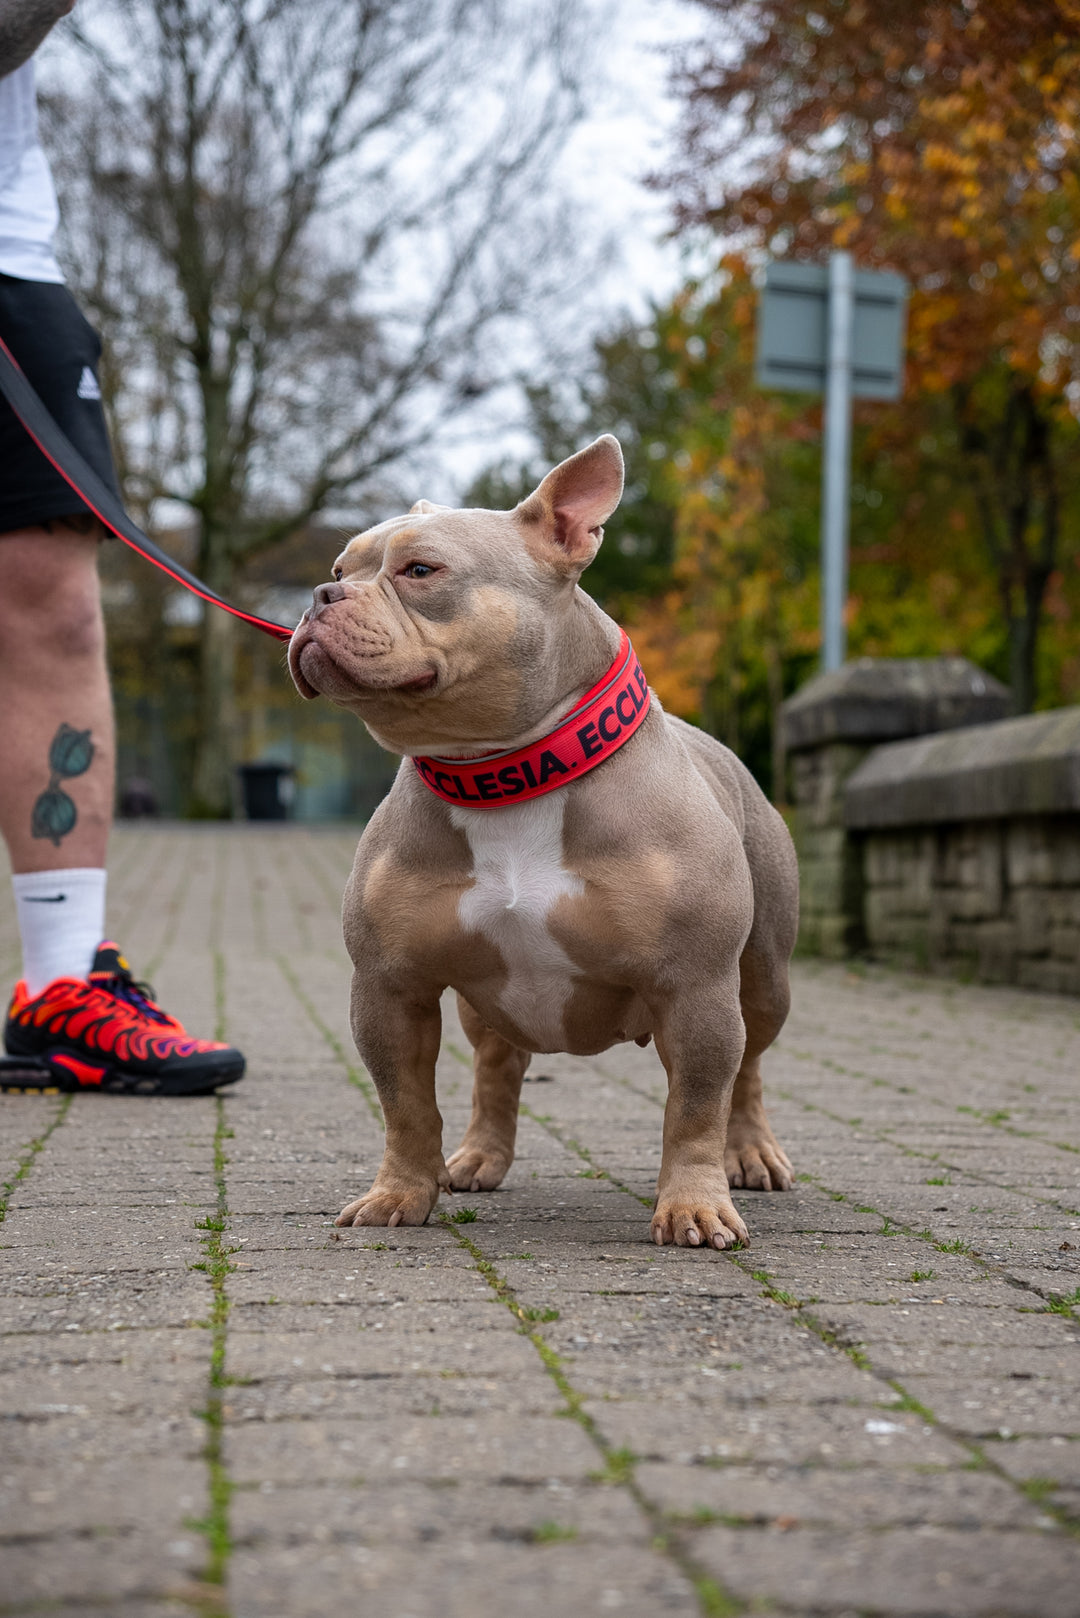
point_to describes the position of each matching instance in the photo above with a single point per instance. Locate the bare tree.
(304, 228)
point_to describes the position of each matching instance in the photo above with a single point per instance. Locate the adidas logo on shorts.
(88, 385)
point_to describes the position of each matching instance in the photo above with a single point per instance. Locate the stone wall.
(969, 848)
(829, 728)
(830, 860)
(996, 900)
(956, 848)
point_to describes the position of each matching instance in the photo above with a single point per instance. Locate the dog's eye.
(417, 570)
(337, 573)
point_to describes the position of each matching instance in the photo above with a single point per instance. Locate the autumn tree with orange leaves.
(943, 141)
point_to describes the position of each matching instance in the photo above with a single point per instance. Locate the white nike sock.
(61, 922)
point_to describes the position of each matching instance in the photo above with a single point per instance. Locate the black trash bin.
(268, 790)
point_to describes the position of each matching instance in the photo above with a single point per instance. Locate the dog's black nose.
(324, 594)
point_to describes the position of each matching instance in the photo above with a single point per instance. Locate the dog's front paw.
(754, 1157)
(477, 1168)
(392, 1205)
(695, 1216)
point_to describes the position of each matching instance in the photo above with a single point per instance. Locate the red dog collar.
(597, 726)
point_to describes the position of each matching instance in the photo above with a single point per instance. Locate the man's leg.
(53, 674)
(79, 1020)
(56, 742)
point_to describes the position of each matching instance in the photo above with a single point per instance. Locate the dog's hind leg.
(753, 1157)
(487, 1151)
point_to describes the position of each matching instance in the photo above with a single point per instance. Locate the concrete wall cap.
(1027, 766)
(876, 699)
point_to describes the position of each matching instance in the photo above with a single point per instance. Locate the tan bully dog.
(646, 888)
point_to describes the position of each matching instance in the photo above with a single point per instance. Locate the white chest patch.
(518, 875)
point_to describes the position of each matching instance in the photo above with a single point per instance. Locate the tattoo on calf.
(54, 814)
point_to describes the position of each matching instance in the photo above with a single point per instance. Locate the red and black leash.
(58, 448)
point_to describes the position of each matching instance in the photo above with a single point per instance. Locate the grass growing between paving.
(996, 1117)
(618, 1468)
(217, 1265)
(903, 1400)
(887, 1137)
(801, 1310)
(355, 1075)
(30, 1153)
(713, 1600)
(595, 1172)
(619, 1464)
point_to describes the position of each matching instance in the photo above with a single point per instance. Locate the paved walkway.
(216, 1403)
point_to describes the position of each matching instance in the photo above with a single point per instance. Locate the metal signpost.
(837, 330)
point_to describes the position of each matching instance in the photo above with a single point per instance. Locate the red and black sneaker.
(104, 1032)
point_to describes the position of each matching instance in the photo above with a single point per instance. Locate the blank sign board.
(793, 330)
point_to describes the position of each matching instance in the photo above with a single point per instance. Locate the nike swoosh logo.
(40, 899)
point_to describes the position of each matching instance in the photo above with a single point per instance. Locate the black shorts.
(59, 350)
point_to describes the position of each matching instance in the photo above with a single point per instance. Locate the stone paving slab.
(115, 1566)
(467, 1578)
(423, 1512)
(938, 1570)
(134, 1607)
(268, 1356)
(872, 1410)
(130, 1495)
(709, 1432)
(902, 1498)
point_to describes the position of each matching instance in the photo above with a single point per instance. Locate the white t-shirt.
(28, 211)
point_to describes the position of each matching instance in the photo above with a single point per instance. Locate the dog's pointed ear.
(424, 506)
(563, 519)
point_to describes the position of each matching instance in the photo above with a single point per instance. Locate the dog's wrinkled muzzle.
(348, 659)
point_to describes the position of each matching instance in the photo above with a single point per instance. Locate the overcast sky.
(627, 135)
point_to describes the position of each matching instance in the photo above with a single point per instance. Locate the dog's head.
(438, 627)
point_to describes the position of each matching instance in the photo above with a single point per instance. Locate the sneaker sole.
(60, 1072)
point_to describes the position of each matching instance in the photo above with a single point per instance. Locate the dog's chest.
(518, 878)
